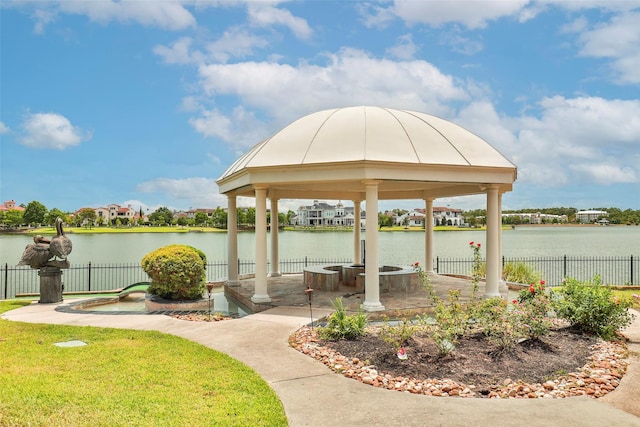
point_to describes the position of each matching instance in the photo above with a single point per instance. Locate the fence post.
(564, 268)
(438, 264)
(6, 279)
(89, 277)
(631, 275)
(305, 261)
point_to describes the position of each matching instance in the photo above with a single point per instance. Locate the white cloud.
(266, 15)
(4, 128)
(350, 77)
(241, 129)
(236, 42)
(51, 130)
(579, 140)
(179, 52)
(198, 192)
(404, 48)
(604, 174)
(166, 14)
(618, 40)
(460, 43)
(471, 14)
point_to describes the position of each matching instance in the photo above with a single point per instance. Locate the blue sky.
(147, 103)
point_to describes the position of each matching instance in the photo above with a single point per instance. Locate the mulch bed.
(563, 363)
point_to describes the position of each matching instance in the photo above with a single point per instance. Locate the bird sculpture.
(60, 246)
(37, 254)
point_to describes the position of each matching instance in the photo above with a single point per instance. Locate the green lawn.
(107, 230)
(626, 293)
(124, 378)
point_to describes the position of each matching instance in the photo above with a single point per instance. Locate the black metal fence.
(613, 270)
(108, 277)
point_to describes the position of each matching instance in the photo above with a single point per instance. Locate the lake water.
(395, 247)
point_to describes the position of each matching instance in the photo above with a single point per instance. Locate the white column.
(371, 271)
(275, 261)
(501, 281)
(493, 242)
(232, 239)
(357, 247)
(260, 294)
(428, 236)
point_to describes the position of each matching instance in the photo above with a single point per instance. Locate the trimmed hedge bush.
(177, 272)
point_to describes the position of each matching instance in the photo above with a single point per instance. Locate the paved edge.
(312, 395)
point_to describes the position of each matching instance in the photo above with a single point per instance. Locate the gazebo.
(366, 154)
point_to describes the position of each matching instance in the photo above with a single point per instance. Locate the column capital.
(371, 182)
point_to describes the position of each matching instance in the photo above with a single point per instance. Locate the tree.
(219, 218)
(35, 213)
(87, 216)
(250, 216)
(290, 214)
(201, 218)
(161, 216)
(50, 217)
(13, 218)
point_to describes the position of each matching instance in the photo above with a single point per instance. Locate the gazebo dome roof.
(359, 143)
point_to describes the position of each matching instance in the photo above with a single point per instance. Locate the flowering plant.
(532, 307)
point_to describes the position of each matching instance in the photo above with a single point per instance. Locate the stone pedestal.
(50, 285)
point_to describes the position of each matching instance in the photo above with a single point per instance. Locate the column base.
(372, 306)
(492, 295)
(275, 274)
(260, 299)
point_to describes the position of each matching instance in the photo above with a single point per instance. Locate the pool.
(135, 303)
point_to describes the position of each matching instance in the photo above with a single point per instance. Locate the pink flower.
(471, 243)
(515, 301)
(478, 244)
(542, 282)
(416, 264)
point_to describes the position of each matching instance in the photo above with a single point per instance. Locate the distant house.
(441, 216)
(535, 218)
(113, 212)
(10, 205)
(324, 214)
(590, 216)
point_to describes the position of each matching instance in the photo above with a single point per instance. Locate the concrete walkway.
(313, 395)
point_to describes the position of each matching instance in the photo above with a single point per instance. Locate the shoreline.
(182, 229)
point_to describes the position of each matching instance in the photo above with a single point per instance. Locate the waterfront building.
(534, 218)
(324, 214)
(589, 216)
(10, 205)
(111, 213)
(441, 216)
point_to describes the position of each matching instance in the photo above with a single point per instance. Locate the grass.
(109, 230)
(626, 293)
(124, 377)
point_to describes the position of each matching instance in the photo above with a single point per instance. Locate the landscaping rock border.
(600, 376)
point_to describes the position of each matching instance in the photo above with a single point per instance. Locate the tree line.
(616, 215)
(36, 214)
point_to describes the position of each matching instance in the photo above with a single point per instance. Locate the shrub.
(176, 272)
(532, 307)
(398, 335)
(501, 326)
(592, 308)
(519, 272)
(341, 325)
